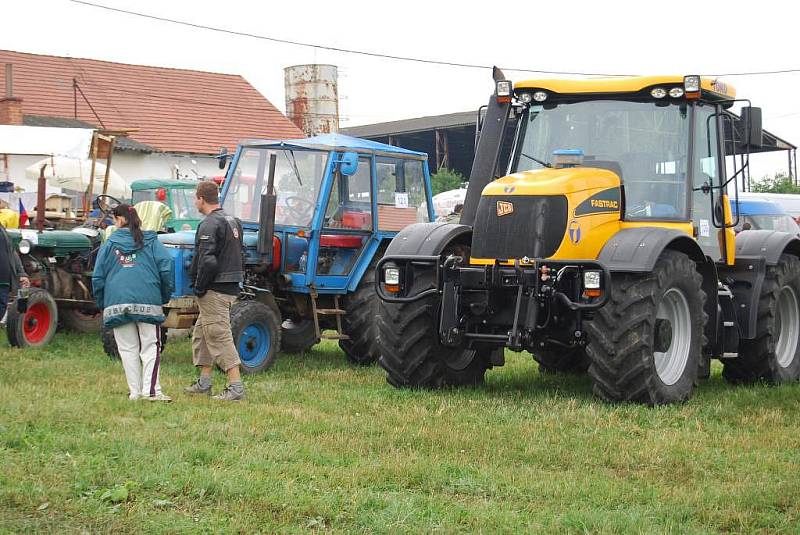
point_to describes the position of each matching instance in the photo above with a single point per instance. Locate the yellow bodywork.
(630, 84)
(577, 184)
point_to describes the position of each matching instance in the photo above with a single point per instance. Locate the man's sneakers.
(197, 388)
(230, 394)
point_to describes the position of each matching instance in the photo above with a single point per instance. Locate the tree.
(446, 179)
(780, 183)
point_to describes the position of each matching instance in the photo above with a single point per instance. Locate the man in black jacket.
(11, 271)
(217, 273)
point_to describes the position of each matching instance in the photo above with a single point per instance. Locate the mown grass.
(322, 446)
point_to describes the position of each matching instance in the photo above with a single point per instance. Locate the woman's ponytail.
(134, 224)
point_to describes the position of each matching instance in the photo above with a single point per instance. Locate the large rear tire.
(773, 356)
(298, 336)
(410, 350)
(256, 330)
(572, 361)
(358, 321)
(81, 321)
(37, 325)
(645, 343)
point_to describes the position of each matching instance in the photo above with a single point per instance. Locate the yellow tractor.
(608, 246)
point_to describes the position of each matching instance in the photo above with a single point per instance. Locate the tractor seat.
(340, 240)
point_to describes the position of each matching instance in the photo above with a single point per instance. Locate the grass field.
(320, 446)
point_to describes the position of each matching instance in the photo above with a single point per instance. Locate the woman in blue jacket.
(132, 279)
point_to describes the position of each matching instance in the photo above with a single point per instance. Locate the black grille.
(534, 228)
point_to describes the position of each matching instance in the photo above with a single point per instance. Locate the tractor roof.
(628, 84)
(328, 142)
(760, 207)
(168, 183)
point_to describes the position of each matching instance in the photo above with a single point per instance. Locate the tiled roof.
(173, 110)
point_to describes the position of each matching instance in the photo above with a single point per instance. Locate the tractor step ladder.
(337, 311)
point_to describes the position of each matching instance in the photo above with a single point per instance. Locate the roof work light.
(691, 86)
(503, 90)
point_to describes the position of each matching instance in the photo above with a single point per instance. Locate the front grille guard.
(526, 277)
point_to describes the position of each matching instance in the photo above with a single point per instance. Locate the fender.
(428, 239)
(755, 250)
(770, 244)
(638, 249)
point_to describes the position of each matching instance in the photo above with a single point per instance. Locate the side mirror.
(223, 157)
(751, 123)
(348, 165)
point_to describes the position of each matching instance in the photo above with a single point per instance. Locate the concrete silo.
(312, 98)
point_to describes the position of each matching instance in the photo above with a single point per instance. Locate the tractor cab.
(177, 195)
(336, 198)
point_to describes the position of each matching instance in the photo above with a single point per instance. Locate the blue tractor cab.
(764, 214)
(317, 214)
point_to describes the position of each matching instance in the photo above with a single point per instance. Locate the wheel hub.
(788, 326)
(672, 337)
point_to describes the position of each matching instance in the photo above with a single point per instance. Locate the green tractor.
(178, 195)
(59, 264)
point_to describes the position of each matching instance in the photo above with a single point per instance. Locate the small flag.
(23, 214)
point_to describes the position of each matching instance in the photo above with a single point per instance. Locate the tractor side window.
(402, 199)
(241, 196)
(183, 204)
(350, 203)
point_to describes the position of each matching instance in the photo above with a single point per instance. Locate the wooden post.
(87, 199)
(40, 199)
(111, 142)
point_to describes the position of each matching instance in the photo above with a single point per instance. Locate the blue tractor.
(318, 214)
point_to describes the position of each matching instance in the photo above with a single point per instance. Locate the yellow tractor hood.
(547, 181)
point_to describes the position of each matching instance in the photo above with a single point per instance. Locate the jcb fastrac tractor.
(609, 246)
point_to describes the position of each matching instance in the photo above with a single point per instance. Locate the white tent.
(45, 141)
(73, 174)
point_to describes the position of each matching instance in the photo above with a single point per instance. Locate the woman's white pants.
(139, 346)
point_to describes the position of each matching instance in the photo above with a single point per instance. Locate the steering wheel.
(299, 206)
(106, 206)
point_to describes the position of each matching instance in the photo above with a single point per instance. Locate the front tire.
(410, 350)
(645, 343)
(37, 325)
(773, 356)
(256, 333)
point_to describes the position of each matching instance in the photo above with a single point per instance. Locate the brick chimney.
(10, 106)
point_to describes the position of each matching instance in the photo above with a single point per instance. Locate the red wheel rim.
(36, 323)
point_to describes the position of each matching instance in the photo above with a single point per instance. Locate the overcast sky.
(625, 37)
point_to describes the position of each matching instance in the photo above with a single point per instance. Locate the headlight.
(591, 280)
(526, 98)
(391, 276)
(676, 92)
(658, 92)
(540, 96)
(24, 246)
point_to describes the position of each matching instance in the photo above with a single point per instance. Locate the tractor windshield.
(298, 175)
(645, 143)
